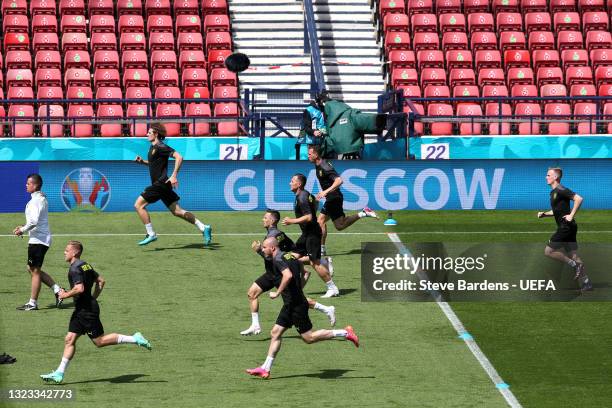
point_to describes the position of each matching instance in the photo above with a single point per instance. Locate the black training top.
(306, 203)
(292, 294)
(560, 198)
(326, 174)
(284, 243)
(158, 162)
(82, 272)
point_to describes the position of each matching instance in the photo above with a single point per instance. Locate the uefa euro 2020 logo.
(85, 189)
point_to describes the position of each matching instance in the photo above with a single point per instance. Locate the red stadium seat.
(19, 77)
(80, 128)
(10, 7)
(549, 75)
(569, 40)
(541, 40)
(591, 5)
(433, 76)
(403, 76)
(107, 59)
(157, 7)
(163, 59)
(465, 91)
(221, 92)
(21, 113)
(440, 128)
(188, 7)
(553, 90)
(198, 110)
(137, 129)
(160, 24)
(134, 59)
(488, 59)
(452, 22)
(533, 6)
(396, 41)
(219, 40)
(577, 58)
(106, 77)
(476, 6)
(168, 111)
(223, 110)
(585, 125)
(17, 59)
(192, 59)
(194, 77)
(601, 57)
(222, 76)
(129, 23)
(219, 7)
(19, 92)
(491, 76)
(410, 91)
(598, 39)
(419, 7)
(430, 59)
(38, 7)
(74, 41)
(15, 23)
(216, 22)
(467, 126)
(103, 41)
(395, 22)
(608, 113)
(188, 24)
(78, 92)
(545, 58)
(108, 92)
(538, 21)
(508, 6)
(198, 92)
(101, 23)
(77, 77)
(167, 92)
(424, 41)
(137, 41)
(419, 110)
(458, 59)
(595, 20)
(461, 76)
(160, 41)
(517, 59)
(424, 23)
(137, 92)
(489, 91)
(562, 6)
(509, 22)
(107, 112)
(480, 22)
(76, 7)
(578, 75)
(48, 77)
(51, 129)
(391, 7)
(605, 90)
(100, 7)
(165, 77)
(43, 23)
(532, 126)
(49, 92)
(447, 6)
(603, 75)
(216, 58)
(567, 21)
(524, 91)
(500, 127)
(512, 40)
(483, 41)
(129, 7)
(136, 77)
(454, 41)
(17, 41)
(583, 90)
(558, 109)
(436, 91)
(77, 59)
(73, 24)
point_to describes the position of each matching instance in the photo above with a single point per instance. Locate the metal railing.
(311, 46)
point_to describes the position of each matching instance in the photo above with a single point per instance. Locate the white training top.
(37, 220)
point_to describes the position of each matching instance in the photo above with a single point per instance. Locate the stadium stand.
(119, 50)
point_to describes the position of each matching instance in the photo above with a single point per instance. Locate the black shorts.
(164, 192)
(86, 322)
(309, 244)
(265, 282)
(333, 208)
(565, 237)
(36, 254)
(295, 315)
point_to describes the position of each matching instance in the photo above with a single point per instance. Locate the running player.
(161, 187)
(267, 280)
(86, 316)
(295, 308)
(330, 182)
(308, 246)
(562, 245)
(37, 227)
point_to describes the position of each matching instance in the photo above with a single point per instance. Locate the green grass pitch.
(190, 302)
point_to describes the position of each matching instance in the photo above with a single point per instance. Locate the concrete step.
(269, 8)
(298, 25)
(268, 60)
(299, 35)
(270, 42)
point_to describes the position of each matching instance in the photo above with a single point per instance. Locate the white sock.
(149, 228)
(572, 263)
(55, 288)
(267, 365)
(362, 214)
(63, 365)
(200, 225)
(33, 302)
(125, 339)
(330, 284)
(255, 319)
(339, 333)
(323, 250)
(320, 307)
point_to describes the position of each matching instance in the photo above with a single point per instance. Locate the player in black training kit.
(562, 245)
(308, 245)
(295, 307)
(330, 182)
(162, 186)
(86, 316)
(267, 281)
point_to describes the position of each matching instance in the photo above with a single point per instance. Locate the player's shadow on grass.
(335, 374)
(52, 306)
(122, 379)
(351, 252)
(267, 338)
(213, 246)
(343, 292)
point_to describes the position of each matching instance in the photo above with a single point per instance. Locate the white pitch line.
(499, 383)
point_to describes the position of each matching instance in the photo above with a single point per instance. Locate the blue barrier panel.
(395, 185)
(12, 182)
(512, 147)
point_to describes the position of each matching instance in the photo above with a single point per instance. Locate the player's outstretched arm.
(140, 160)
(543, 214)
(100, 282)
